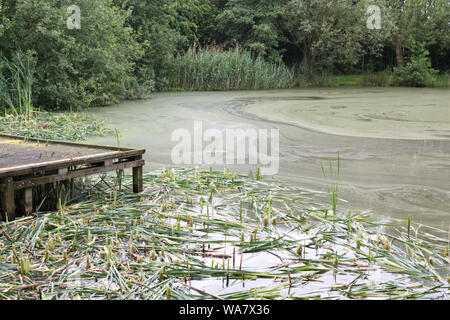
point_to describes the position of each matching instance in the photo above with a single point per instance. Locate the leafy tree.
(164, 28)
(193, 20)
(254, 25)
(324, 33)
(150, 20)
(2, 19)
(417, 72)
(75, 68)
(424, 21)
(331, 32)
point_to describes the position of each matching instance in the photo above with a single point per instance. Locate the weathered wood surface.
(28, 162)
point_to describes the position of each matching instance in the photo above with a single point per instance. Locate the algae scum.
(379, 230)
(216, 235)
(395, 165)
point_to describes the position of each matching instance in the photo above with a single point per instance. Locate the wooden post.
(63, 171)
(57, 186)
(26, 201)
(138, 186)
(9, 206)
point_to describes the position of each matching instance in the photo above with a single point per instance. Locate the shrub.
(378, 79)
(418, 71)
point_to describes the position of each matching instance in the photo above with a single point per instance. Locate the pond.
(393, 143)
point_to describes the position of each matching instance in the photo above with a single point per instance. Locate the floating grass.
(175, 241)
(53, 125)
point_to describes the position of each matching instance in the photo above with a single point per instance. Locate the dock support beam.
(138, 186)
(26, 201)
(8, 204)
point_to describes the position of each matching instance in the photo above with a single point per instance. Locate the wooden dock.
(29, 162)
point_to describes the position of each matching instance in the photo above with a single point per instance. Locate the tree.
(75, 68)
(417, 71)
(331, 32)
(164, 28)
(193, 20)
(4, 21)
(324, 32)
(150, 20)
(420, 21)
(254, 25)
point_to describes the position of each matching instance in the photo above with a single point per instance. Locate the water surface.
(393, 143)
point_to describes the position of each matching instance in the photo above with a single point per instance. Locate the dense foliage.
(255, 25)
(129, 48)
(75, 68)
(417, 71)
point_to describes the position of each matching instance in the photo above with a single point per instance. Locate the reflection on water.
(394, 144)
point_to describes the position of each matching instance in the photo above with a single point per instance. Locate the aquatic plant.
(418, 71)
(212, 68)
(190, 229)
(53, 125)
(333, 189)
(16, 83)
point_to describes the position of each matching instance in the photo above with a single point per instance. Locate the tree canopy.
(126, 48)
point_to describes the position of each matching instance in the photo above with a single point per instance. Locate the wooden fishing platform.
(29, 162)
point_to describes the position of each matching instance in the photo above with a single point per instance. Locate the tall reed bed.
(212, 68)
(16, 83)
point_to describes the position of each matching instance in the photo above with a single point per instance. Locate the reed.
(130, 246)
(16, 83)
(333, 189)
(306, 77)
(212, 68)
(53, 125)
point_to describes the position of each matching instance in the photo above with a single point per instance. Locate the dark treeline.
(129, 48)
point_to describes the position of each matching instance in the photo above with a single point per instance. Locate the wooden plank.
(138, 185)
(8, 203)
(65, 143)
(29, 182)
(63, 170)
(28, 164)
(26, 201)
(52, 165)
